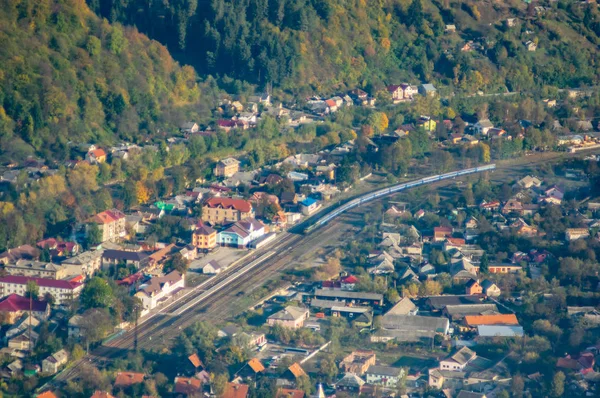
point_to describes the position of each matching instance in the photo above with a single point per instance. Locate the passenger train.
(386, 191)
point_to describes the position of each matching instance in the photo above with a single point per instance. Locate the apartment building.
(225, 210)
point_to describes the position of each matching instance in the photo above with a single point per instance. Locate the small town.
(453, 292)
(300, 199)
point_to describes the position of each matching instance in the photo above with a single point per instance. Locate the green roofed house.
(164, 206)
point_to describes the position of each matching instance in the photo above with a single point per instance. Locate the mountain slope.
(308, 46)
(68, 75)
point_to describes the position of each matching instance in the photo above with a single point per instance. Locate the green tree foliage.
(97, 293)
(32, 290)
(70, 76)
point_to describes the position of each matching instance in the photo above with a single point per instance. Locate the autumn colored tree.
(142, 192)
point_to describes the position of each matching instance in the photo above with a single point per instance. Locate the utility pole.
(135, 330)
(30, 311)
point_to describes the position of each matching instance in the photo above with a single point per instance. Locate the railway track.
(198, 305)
(170, 322)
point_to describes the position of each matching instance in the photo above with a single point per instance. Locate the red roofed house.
(187, 385)
(127, 379)
(289, 393)
(47, 394)
(489, 206)
(231, 124)
(332, 105)
(102, 394)
(62, 291)
(59, 248)
(111, 224)
(349, 282)
(14, 306)
(233, 390)
(96, 156)
(196, 361)
(584, 364)
(222, 210)
(441, 233)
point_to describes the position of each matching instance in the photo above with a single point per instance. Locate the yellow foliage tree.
(142, 192)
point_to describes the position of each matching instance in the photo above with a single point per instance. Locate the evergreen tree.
(415, 14)
(484, 264)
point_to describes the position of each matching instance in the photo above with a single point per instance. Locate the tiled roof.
(233, 390)
(47, 394)
(203, 229)
(155, 284)
(296, 370)
(102, 394)
(496, 319)
(196, 361)
(126, 379)
(289, 393)
(187, 385)
(256, 365)
(14, 303)
(23, 251)
(107, 217)
(52, 283)
(98, 152)
(228, 203)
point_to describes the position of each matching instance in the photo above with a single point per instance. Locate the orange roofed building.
(102, 394)
(111, 224)
(47, 394)
(127, 379)
(493, 319)
(225, 210)
(289, 393)
(96, 156)
(187, 385)
(233, 390)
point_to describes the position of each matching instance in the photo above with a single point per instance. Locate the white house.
(51, 364)
(483, 126)
(386, 376)
(459, 360)
(212, 268)
(241, 233)
(309, 206)
(159, 289)
(62, 290)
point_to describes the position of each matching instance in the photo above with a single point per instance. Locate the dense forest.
(308, 46)
(68, 75)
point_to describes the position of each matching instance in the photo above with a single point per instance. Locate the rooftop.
(126, 379)
(229, 203)
(42, 282)
(495, 319)
(348, 294)
(156, 284)
(289, 313)
(14, 303)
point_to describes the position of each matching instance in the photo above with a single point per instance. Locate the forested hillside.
(308, 46)
(68, 75)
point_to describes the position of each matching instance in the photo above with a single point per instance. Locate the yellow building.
(225, 210)
(204, 237)
(227, 167)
